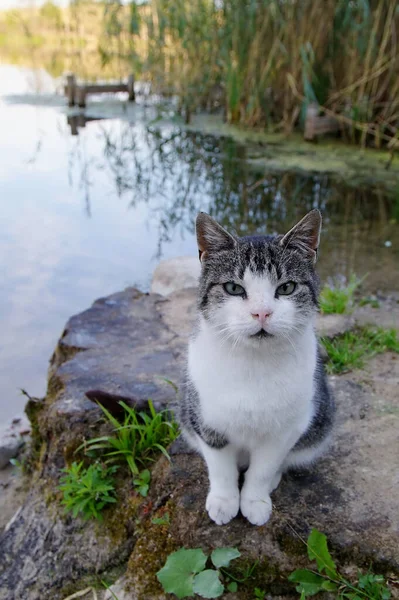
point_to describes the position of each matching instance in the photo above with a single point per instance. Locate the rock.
(124, 345)
(175, 274)
(12, 437)
(118, 590)
(127, 345)
(332, 325)
(385, 315)
(12, 494)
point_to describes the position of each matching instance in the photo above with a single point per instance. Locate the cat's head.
(258, 288)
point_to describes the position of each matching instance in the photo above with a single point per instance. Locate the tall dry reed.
(264, 61)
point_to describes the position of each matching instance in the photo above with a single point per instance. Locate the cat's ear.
(211, 237)
(305, 235)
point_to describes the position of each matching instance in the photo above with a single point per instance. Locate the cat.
(255, 396)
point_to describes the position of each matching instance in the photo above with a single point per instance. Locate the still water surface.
(82, 216)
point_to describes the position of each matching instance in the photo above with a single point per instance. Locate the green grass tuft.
(137, 440)
(339, 299)
(350, 350)
(87, 491)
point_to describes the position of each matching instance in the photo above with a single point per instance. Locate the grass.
(137, 440)
(338, 299)
(351, 349)
(87, 491)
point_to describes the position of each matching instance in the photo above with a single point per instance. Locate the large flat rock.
(127, 345)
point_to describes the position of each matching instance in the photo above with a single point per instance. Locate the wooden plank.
(103, 89)
(77, 93)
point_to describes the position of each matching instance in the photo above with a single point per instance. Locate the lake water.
(86, 215)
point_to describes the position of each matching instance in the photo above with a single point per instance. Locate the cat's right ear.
(211, 237)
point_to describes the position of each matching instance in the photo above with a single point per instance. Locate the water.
(86, 215)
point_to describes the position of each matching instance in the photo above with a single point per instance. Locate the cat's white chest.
(249, 395)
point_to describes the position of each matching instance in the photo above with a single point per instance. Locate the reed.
(264, 61)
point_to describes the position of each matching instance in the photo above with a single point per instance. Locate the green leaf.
(145, 476)
(143, 490)
(207, 584)
(221, 557)
(318, 551)
(309, 583)
(177, 575)
(329, 586)
(232, 587)
(161, 520)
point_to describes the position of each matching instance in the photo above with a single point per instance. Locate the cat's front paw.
(222, 509)
(256, 510)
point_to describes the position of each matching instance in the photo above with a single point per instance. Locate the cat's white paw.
(222, 509)
(257, 511)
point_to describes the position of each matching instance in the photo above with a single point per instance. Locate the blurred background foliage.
(260, 62)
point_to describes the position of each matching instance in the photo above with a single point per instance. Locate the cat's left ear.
(211, 237)
(305, 235)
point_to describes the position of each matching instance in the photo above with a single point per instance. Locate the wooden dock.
(77, 93)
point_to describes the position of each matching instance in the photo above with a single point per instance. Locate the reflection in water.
(79, 121)
(85, 215)
(177, 173)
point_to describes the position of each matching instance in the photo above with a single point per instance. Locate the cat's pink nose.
(262, 316)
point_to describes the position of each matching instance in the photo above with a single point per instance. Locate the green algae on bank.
(279, 152)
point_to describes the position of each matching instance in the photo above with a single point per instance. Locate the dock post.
(71, 89)
(81, 96)
(130, 88)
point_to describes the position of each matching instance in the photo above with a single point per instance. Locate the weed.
(338, 299)
(369, 301)
(259, 594)
(137, 439)
(164, 520)
(349, 350)
(142, 482)
(87, 491)
(185, 573)
(328, 579)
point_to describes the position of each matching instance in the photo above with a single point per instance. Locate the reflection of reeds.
(266, 60)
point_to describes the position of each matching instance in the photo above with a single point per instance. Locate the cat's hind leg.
(303, 457)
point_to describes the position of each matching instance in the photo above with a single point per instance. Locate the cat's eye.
(234, 289)
(285, 289)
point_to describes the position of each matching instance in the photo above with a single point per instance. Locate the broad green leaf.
(207, 584)
(145, 476)
(143, 490)
(232, 587)
(221, 557)
(309, 583)
(177, 575)
(318, 551)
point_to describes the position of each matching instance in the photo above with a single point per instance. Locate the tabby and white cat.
(256, 396)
